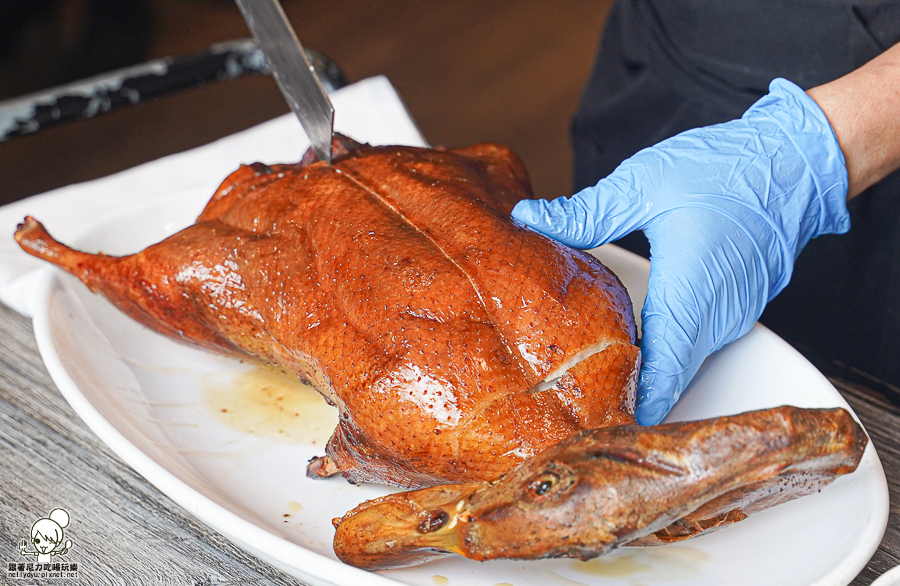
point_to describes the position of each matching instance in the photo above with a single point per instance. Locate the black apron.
(666, 66)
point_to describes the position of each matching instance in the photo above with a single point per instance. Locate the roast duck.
(468, 356)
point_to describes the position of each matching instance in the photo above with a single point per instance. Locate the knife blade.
(292, 70)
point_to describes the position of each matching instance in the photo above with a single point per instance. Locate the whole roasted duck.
(454, 342)
(458, 346)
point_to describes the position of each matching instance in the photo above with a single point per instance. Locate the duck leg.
(169, 287)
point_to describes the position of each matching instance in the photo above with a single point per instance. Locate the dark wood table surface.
(126, 531)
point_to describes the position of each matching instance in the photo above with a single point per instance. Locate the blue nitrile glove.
(726, 208)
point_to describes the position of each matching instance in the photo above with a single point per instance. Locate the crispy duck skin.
(454, 342)
(604, 488)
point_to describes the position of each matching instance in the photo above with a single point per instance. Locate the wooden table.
(124, 528)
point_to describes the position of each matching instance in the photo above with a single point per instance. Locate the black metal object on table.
(132, 85)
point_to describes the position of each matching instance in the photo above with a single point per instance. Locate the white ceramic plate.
(159, 406)
(889, 578)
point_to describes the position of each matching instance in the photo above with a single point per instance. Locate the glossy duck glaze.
(455, 342)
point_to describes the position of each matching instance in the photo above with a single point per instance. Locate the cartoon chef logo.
(47, 537)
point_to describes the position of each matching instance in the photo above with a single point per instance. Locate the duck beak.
(409, 528)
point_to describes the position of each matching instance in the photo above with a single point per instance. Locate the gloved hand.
(727, 209)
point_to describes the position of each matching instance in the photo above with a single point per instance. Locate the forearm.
(863, 108)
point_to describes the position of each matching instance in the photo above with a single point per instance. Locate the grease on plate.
(671, 563)
(560, 579)
(269, 404)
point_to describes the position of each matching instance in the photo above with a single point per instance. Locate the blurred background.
(510, 71)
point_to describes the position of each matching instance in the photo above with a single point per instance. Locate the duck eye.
(543, 484)
(432, 521)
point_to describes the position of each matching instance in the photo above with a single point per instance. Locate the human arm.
(728, 208)
(863, 108)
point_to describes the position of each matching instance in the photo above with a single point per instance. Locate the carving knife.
(292, 70)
